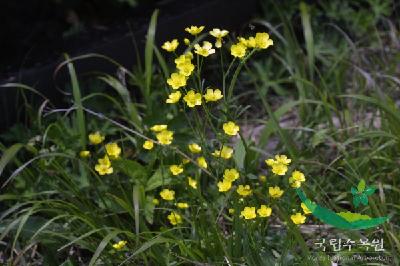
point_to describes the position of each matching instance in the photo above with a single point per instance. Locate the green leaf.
(364, 199)
(369, 191)
(240, 154)
(354, 191)
(133, 169)
(361, 186)
(356, 201)
(8, 155)
(159, 178)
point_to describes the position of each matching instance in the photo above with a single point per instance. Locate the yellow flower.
(148, 144)
(156, 201)
(104, 166)
(194, 30)
(249, 43)
(262, 40)
(218, 34)
(104, 161)
(170, 46)
(192, 182)
(202, 162)
(262, 178)
(279, 169)
(183, 59)
(204, 50)
(224, 185)
(275, 192)
(298, 176)
(248, 213)
(231, 211)
(185, 161)
(177, 80)
(120, 245)
(174, 97)
(192, 98)
(165, 137)
(230, 128)
(226, 152)
(231, 175)
(238, 50)
(96, 138)
(182, 205)
(174, 218)
(298, 218)
(306, 210)
(84, 154)
(186, 41)
(283, 159)
(194, 148)
(294, 184)
(103, 169)
(186, 69)
(167, 194)
(158, 128)
(244, 190)
(176, 169)
(213, 95)
(264, 211)
(113, 150)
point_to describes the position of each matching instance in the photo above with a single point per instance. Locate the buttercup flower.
(174, 218)
(230, 128)
(264, 211)
(275, 192)
(104, 166)
(244, 190)
(204, 50)
(174, 97)
(167, 194)
(218, 34)
(225, 153)
(165, 137)
(120, 245)
(231, 175)
(158, 128)
(194, 148)
(103, 169)
(192, 182)
(248, 213)
(305, 209)
(202, 162)
(113, 150)
(170, 46)
(294, 184)
(298, 218)
(186, 69)
(279, 169)
(283, 159)
(298, 176)
(192, 98)
(238, 50)
(84, 154)
(186, 41)
(194, 30)
(176, 169)
(96, 138)
(148, 145)
(249, 43)
(224, 185)
(262, 40)
(177, 80)
(156, 201)
(213, 95)
(182, 205)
